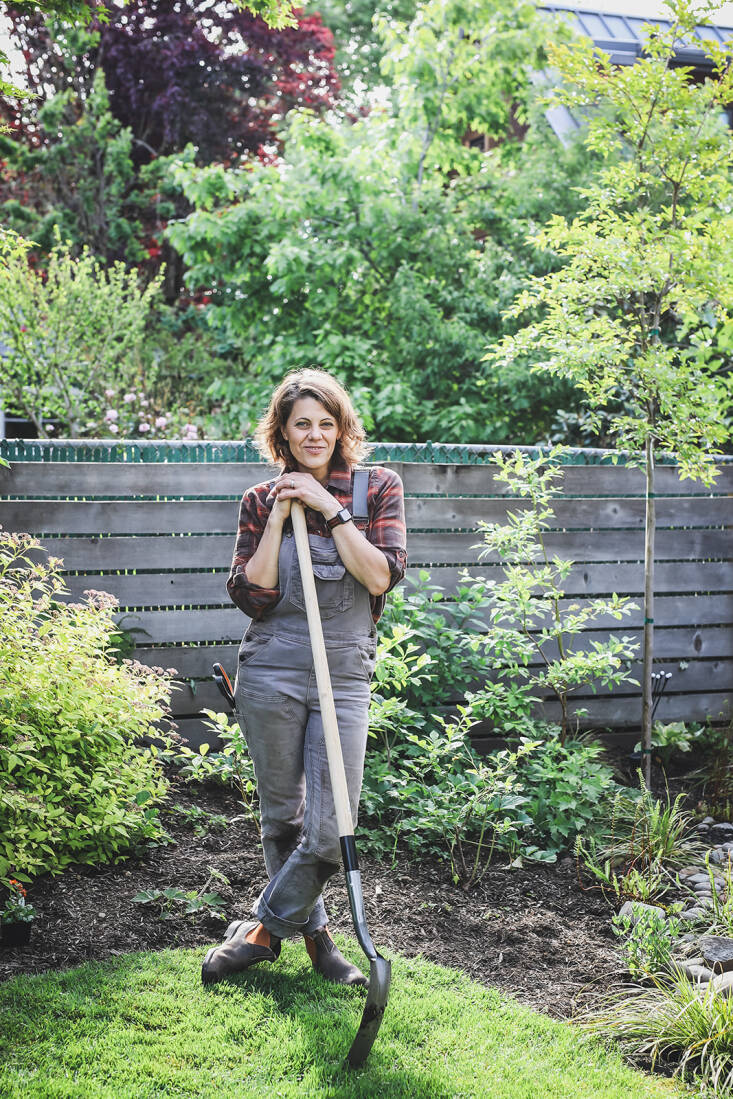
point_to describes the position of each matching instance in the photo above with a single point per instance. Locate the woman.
(313, 433)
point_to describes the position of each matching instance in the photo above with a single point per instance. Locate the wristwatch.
(343, 516)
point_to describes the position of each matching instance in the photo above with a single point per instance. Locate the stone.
(694, 913)
(723, 984)
(634, 910)
(708, 820)
(717, 952)
(698, 974)
(703, 829)
(697, 878)
(721, 833)
(687, 872)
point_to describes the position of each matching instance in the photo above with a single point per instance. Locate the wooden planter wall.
(166, 558)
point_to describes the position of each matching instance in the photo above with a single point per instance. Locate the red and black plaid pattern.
(385, 529)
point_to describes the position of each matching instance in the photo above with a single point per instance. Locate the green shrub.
(566, 787)
(448, 631)
(76, 784)
(232, 766)
(536, 636)
(439, 798)
(647, 940)
(676, 1018)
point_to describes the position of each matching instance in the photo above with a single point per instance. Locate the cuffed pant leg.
(289, 902)
(274, 726)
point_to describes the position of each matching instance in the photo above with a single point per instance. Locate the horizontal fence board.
(191, 662)
(216, 550)
(216, 516)
(618, 710)
(699, 677)
(449, 549)
(224, 623)
(618, 713)
(232, 479)
(457, 480)
(171, 589)
(670, 645)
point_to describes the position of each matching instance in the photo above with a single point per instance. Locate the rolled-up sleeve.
(387, 529)
(249, 597)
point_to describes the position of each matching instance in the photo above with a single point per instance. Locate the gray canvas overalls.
(277, 706)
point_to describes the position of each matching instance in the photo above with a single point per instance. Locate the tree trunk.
(646, 705)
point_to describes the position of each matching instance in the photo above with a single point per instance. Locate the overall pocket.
(334, 585)
(253, 648)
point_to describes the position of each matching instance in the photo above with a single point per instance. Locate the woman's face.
(312, 433)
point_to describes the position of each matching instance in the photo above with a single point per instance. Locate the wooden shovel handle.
(323, 677)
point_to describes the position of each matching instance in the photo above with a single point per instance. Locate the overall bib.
(276, 703)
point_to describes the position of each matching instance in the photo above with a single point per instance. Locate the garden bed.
(531, 931)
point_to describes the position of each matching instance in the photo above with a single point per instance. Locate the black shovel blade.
(380, 975)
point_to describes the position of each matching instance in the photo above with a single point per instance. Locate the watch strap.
(342, 516)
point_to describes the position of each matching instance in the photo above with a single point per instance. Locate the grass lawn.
(142, 1026)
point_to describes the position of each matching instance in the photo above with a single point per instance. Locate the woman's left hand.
(310, 492)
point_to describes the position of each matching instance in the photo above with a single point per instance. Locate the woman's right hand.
(280, 507)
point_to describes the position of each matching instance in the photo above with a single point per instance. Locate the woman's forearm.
(263, 566)
(363, 560)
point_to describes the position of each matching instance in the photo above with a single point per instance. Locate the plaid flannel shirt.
(385, 529)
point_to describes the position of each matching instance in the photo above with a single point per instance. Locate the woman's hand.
(310, 492)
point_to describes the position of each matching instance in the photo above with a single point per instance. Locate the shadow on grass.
(280, 1030)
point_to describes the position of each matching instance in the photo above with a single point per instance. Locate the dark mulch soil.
(532, 932)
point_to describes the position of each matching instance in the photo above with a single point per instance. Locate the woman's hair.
(350, 449)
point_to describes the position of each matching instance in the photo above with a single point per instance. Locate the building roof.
(621, 36)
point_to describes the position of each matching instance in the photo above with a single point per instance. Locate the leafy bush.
(439, 798)
(69, 333)
(76, 783)
(232, 766)
(643, 840)
(647, 940)
(566, 787)
(529, 616)
(448, 631)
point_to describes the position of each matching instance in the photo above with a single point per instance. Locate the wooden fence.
(160, 538)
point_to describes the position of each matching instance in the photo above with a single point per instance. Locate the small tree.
(530, 616)
(647, 266)
(67, 333)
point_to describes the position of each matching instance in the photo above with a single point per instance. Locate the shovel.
(379, 967)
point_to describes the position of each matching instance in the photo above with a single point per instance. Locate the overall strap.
(359, 492)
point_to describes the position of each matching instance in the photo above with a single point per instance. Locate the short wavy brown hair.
(350, 449)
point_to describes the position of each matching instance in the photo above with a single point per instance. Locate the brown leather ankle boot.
(244, 945)
(329, 961)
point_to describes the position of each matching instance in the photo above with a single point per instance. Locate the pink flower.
(129, 398)
(113, 428)
(109, 394)
(161, 421)
(144, 402)
(110, 415)
(50, 429)
(143, 428)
